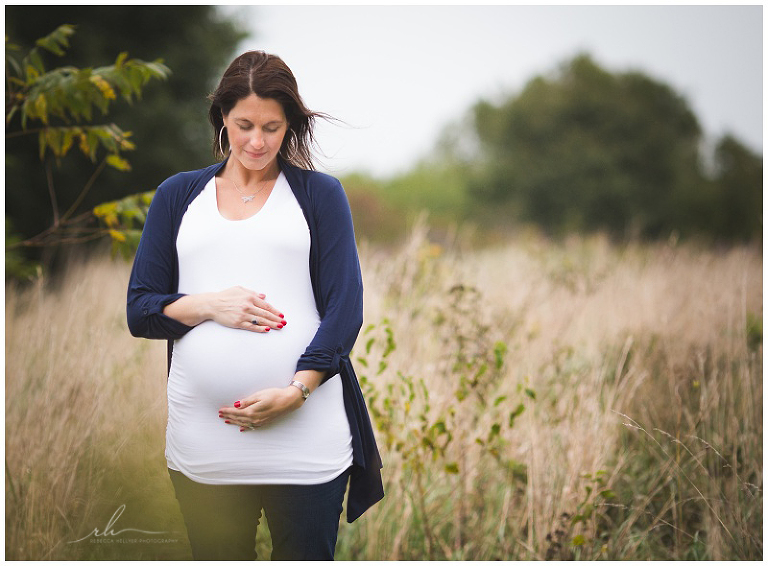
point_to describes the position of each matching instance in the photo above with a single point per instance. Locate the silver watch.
(304, 389)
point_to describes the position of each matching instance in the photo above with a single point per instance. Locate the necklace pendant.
(247, 199)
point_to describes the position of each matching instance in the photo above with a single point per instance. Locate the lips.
(253, 155)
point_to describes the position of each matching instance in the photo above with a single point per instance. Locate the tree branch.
(85, 190)
(60, 223)
(24, 133)
(52, 193)
(95, 235)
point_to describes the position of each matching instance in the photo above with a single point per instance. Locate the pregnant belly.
(214, 366)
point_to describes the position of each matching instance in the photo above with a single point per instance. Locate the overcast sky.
(399, 74)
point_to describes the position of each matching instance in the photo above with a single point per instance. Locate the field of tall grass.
(534, 400)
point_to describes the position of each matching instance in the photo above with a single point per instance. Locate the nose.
(257, 140)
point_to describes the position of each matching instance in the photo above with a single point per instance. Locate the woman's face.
(256, 128)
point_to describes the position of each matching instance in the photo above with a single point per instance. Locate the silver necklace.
(247, 198)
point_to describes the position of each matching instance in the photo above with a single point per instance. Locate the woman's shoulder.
(313, 180)
(321, 189)
(180, 189)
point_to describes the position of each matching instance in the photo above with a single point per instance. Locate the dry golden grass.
(637, 370)
(81, 394)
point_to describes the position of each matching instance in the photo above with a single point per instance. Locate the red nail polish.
(284, 323)
(237, 404)
(267, 329)
(227, 422)
(282, 316)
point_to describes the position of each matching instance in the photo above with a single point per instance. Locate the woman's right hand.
(236, 307)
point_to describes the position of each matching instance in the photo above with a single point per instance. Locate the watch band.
(304, 389)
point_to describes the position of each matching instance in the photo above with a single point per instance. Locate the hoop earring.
(221, 135)
(290, 157)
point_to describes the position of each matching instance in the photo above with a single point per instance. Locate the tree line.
(583, 149)
(577, 149)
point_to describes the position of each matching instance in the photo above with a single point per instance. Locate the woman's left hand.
(262, 407)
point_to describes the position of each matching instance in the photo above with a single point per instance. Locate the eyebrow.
(271, 122)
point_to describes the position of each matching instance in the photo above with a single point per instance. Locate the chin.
(256, 164)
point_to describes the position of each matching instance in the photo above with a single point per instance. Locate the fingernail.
(282, 316)
(237, 404)
(227, 422)
(221, 416)
(279, 326)
(284, 323)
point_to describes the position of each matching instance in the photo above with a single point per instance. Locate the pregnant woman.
(249, 269)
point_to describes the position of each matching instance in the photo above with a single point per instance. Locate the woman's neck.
(249, 177)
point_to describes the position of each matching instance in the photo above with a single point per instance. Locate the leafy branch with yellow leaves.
(58, 106)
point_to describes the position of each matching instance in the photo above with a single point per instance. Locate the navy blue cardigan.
(336, 283)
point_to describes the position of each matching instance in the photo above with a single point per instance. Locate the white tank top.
(213, 366)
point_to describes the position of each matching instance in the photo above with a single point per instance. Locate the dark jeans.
(222, 519)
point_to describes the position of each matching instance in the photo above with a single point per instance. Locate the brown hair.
(266, 76)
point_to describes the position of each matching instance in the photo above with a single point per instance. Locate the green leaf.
(608, 494)
(499, 351)
(53, 138)
(39, 108)
(11, 114)
(531, 393)
(117, 235)
(69, 135)
(440, 427)
(31, 72)
(41, 141)
(390, 342)
(57, 40)
(114, 160)
(92, 143)
(107, 213)
(516, 413)
(452, 468)
(121, 59)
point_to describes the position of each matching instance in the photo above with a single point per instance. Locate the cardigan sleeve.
(154, 280)
(338, 283)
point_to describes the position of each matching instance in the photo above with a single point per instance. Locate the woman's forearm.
(236, 307)
(310, 378)
(191, 309)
